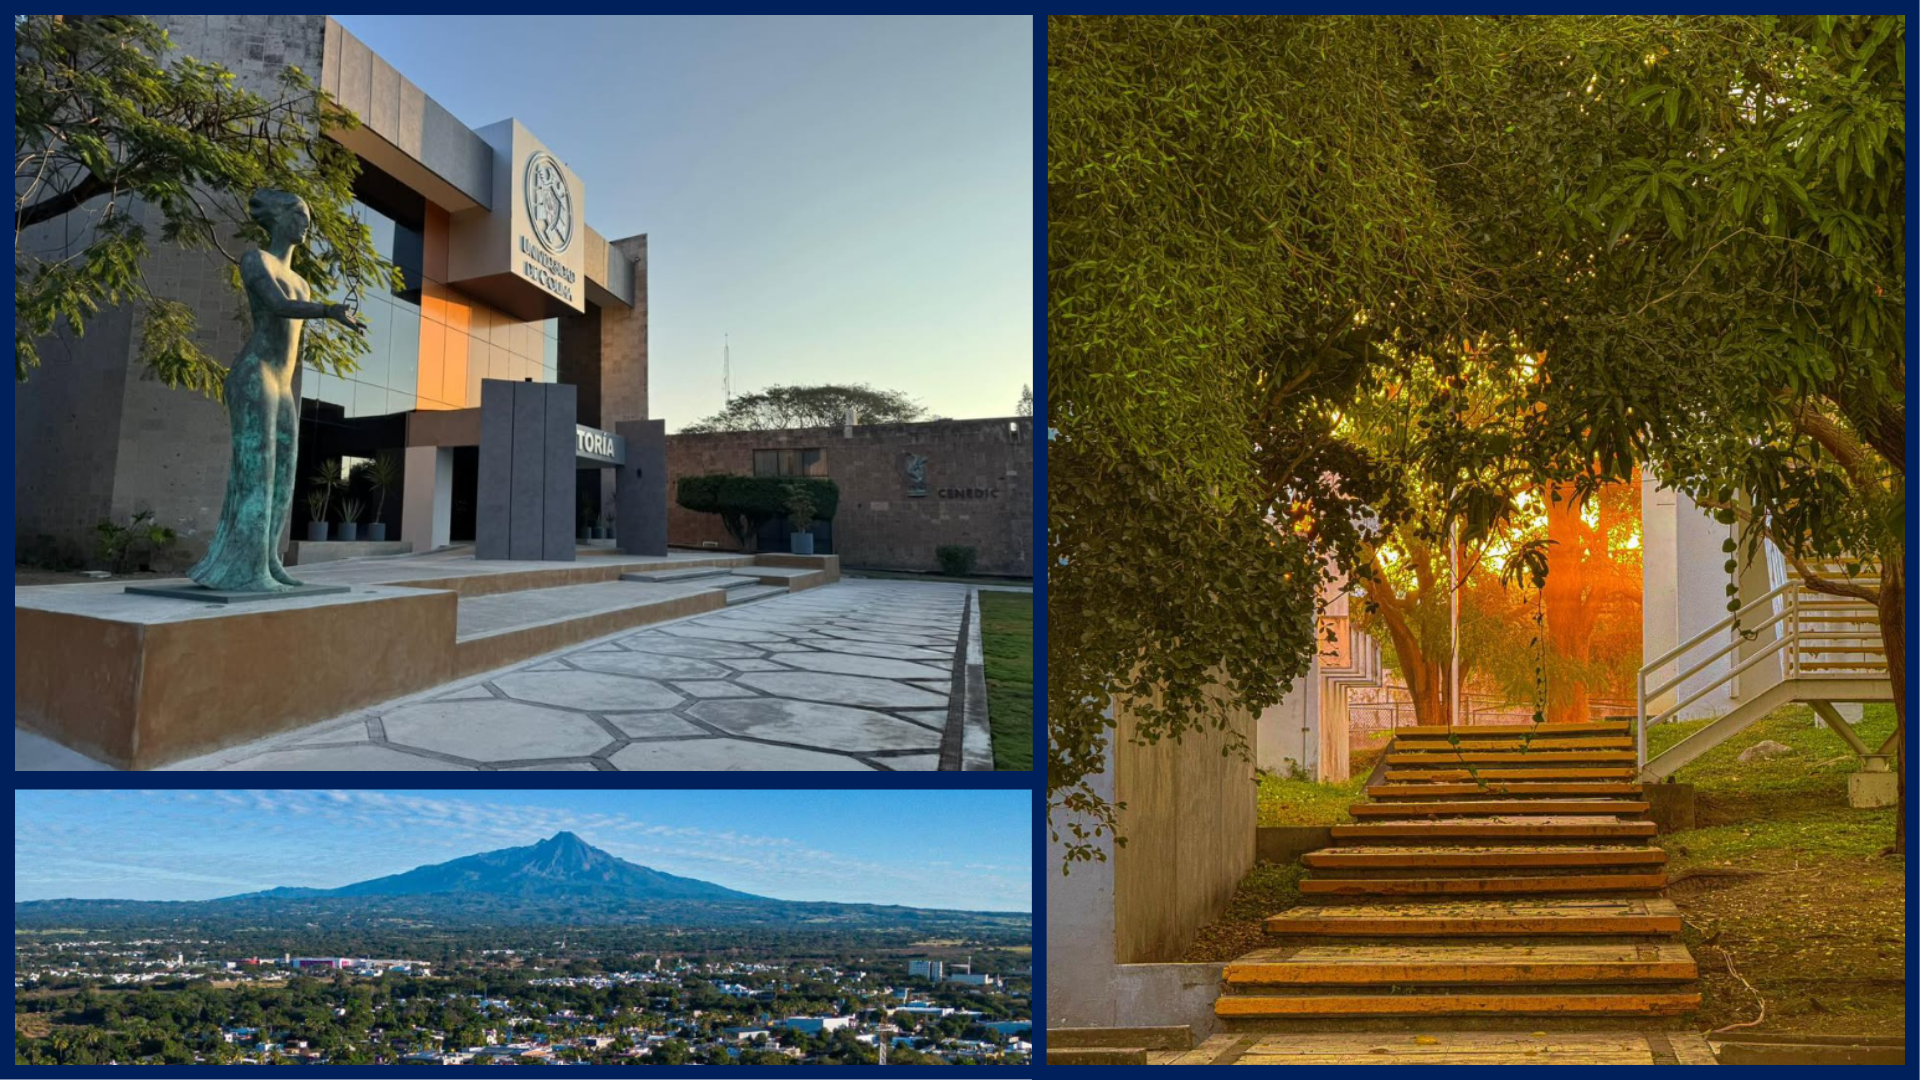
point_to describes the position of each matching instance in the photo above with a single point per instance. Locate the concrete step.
(1466, 963)
(1511, 827)
(1493, 857)
(1483, 807)
(754, 592)
(1481, 918)
(1506, 885)
(661, 577)
(1543, 790)
(1510, 1003)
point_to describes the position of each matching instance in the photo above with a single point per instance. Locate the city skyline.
(850, 199)
(793, 845)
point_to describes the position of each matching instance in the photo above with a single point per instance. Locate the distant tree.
(779, 407)
(1025, 406)
(114, 135)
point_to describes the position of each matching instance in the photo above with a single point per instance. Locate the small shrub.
(956, 560)
(134, 545)
(799, 508)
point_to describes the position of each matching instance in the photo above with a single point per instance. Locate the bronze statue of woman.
(261, 406)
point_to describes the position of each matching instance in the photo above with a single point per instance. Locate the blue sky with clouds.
(941, 849)
(850, 198)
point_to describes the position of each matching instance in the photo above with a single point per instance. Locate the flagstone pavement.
(856, 676)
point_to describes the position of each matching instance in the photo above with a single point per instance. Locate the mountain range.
(560, 880)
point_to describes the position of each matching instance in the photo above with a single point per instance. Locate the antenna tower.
(726, 368)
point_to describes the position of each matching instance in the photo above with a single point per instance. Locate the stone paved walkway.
(855, 676)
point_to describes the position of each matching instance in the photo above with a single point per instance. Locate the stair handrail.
(1786, 642)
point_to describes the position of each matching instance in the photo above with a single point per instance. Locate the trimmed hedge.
(745, 503)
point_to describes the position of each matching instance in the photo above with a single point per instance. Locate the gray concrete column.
(426, 511)
(640, 492)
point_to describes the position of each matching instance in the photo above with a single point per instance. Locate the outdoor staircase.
(1791, 645)
(1497, 878)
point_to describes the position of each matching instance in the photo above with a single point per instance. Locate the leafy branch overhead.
(1665, 242)
(120, 142)
(826, 405)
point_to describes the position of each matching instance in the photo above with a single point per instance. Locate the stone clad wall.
(93, 439)
(978, 489)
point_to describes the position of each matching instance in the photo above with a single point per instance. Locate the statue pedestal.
(204, 595)
(140, 680)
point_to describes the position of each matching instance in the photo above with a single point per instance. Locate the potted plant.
(324, 481)
(609, 521)
(382, 473)
(349, 516)
(586, 522)
(799, 519)
(316, 516)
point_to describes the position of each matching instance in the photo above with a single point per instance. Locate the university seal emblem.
(549, 203)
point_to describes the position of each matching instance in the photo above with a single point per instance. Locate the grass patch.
(1305, 802)
(1285, 801)
(1267, 888)
(1006, 641)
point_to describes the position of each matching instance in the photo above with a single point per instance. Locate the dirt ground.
(1820, 940)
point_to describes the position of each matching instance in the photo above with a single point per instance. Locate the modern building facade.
(905, 489)
(504, 280)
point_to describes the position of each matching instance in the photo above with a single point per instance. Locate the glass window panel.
(403, 352)
(499, 327)
(766, 463)
(813, 463)
(374, 365)
(401, 400)
(550, 328)
(550, 354)
(369, 399)
(525, 341)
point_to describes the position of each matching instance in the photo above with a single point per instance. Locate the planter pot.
(349, 530)
(316, 531)
(377, 532)
(597, 533)
(800, 543)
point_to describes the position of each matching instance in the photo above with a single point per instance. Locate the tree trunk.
(1893, 638)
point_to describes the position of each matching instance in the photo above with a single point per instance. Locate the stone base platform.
(139, 680)
(308, 552)
(201, 594)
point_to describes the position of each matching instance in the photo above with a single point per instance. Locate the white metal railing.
(1813, 634)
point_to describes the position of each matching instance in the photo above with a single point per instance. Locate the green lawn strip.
(1304, 802)
(1006, 641)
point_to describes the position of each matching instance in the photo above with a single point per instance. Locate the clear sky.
(850, 199)
(933, 849)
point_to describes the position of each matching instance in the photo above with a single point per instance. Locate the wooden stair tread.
(1439, 1047)
(1547, 746)
(1475, 886)
(1428, 774)
(1500, 806)
(1390, 856)
(1442, 962)
(1516, 915)
(1432, 789)
(1588, 727)
(1510, 1003)
(1495, 757)
(1514, 827)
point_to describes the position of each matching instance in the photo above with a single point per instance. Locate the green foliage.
(134, 545)
(799, 507)
(745, 503)
(1297, 800)
(823, 406)
(382, 474)
(350, 510)
(1006, 640)
(317, 505)
(955, 560)
(119, 141)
